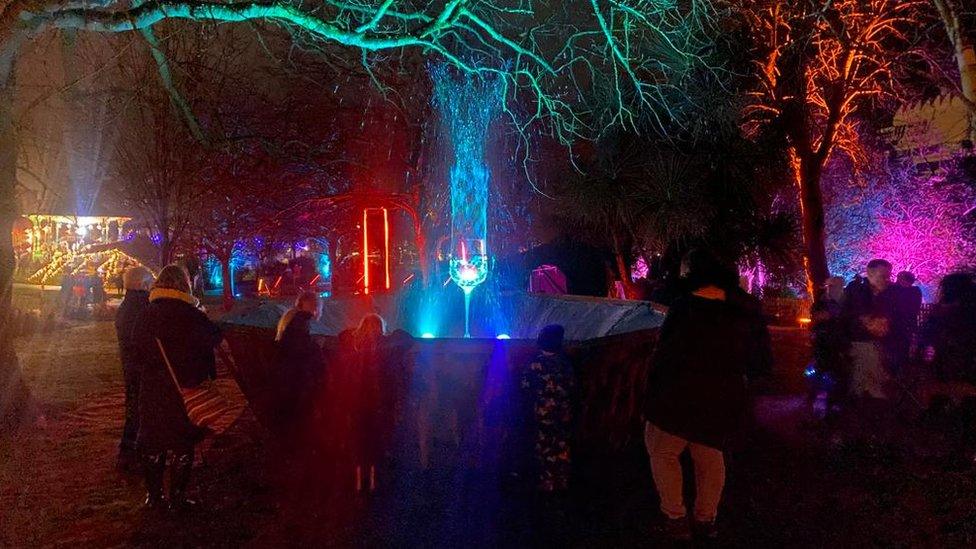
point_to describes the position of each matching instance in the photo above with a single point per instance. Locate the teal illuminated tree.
(548, 55)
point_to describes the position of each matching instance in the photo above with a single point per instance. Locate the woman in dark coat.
(174, 321)
(697, 390)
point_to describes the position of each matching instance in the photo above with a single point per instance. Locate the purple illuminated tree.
(917, 221)
(161, 167)
(233, 203)
(157, 164)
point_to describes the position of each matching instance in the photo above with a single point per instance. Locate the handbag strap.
(169, 366)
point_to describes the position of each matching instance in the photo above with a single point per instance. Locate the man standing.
(137, 282)
(903, 333)
(830, 344)
(869, 314)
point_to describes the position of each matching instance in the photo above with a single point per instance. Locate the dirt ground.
(880, 479)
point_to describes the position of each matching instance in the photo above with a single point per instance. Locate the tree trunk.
(165, 248)
(334, 262)
(966, 59)
(227, 275)
(623, 270)
(965, 53)
(13, 392)
(807, 172)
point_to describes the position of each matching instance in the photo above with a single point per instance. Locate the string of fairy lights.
(109, 264)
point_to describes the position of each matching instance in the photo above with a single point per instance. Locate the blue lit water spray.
(468, 104)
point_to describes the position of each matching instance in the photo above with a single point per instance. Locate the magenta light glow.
(917, 223)
(639, 269)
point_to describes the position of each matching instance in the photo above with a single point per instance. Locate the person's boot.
(554, 514)
(706, 530)
(179, 480)
(677, 529)
(154, 466)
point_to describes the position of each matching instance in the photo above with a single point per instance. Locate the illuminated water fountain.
(468, 104)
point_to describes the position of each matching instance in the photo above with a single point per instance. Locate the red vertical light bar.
(365, 255)
(386, 245)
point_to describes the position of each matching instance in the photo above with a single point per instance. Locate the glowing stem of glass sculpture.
(467, 309)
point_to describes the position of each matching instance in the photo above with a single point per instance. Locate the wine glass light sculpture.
(468, 269)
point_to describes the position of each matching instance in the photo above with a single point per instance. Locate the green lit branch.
(556, 59)
(166, 76)
(149, 14)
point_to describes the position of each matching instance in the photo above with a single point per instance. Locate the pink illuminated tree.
(917, 221)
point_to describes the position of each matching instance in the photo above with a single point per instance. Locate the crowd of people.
(167, 346)
(871, 342)
(712, 340)
(713, 344)
(82, 294)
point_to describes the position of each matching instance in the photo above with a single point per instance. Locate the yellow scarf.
(169, 293)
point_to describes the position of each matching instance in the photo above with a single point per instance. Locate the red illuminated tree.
(817, 65)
